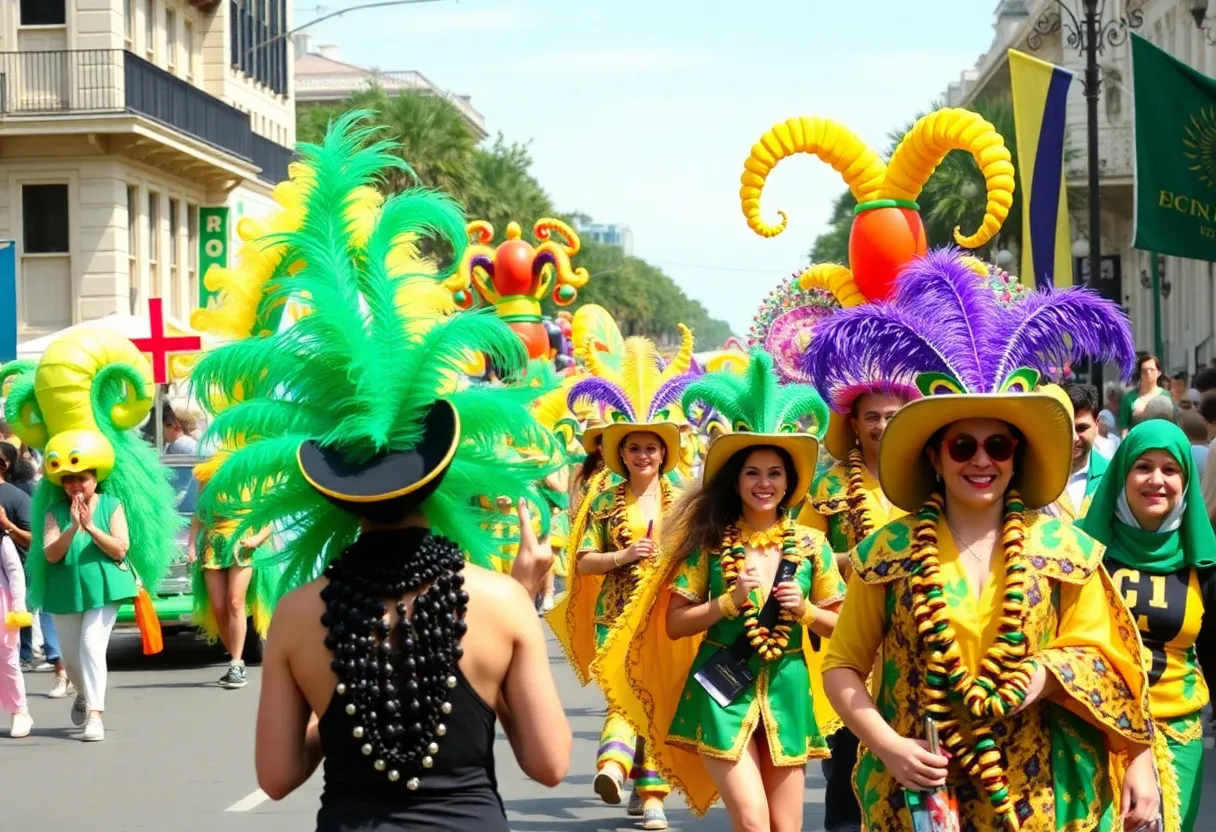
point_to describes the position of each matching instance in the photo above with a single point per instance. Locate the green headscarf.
(1185, 538)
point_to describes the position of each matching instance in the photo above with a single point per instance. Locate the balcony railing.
(272, 158)
(89, 81)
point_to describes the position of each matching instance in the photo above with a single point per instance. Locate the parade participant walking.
(1161, 554)
(13, 616)
(104, 515)
(229, 582)
(390, 658)
(1005, 610)
(617, 541)
(713, 644)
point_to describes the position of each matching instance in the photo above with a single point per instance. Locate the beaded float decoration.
(362, 373)
(786, 321)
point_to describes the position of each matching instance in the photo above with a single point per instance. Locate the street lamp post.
(1089, 35)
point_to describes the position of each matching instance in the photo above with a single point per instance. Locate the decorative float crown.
(887, 230)
(515, 276)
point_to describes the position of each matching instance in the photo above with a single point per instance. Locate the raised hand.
(535, 557)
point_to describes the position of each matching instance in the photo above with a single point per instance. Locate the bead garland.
(859, 515)
(769, 644)
(618, 516)
(395, 684)
(1005, 671)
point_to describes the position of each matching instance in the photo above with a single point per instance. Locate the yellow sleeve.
(1095, 656)
(807, 516)
(827, 587)
(860, 628)
(692, 579)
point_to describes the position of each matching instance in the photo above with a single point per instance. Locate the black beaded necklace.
(396, 687)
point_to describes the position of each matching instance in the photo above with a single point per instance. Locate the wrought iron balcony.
(79, 82)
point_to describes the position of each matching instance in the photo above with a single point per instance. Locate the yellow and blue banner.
(1040, 102)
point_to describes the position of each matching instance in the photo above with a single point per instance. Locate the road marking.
(251, 801)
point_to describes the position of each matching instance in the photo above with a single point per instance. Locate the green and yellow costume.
(1167, 578)
(219, 548)
(78, 405)
(964, 656)
(778, 701)
(652, 680)
(638, 398)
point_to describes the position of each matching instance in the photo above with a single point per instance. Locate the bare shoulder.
(299, 606)
(486, 585)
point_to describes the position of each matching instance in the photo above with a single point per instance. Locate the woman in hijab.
(1161, 553)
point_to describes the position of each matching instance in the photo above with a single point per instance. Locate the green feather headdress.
(360, 373)
(761, 411)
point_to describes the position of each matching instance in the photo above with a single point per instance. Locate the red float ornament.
(516, 275)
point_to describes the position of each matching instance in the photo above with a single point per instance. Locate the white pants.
(83, 640)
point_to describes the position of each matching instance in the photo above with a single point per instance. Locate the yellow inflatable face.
(77, 451)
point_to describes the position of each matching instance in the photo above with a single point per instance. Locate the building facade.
(129, 129)
(1188, 293)
(321, 77)
(609, 234)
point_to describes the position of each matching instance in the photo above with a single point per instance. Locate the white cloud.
(439, 21)
(609, 62)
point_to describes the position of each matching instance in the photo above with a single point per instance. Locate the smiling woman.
(1006, 610)
(1161, 553)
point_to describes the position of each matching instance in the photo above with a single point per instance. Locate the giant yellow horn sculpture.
(887, 230)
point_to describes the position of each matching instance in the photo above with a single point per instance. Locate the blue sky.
(642, 113)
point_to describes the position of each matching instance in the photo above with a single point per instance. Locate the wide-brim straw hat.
(1045, 422)
(614, 435)
(802, 448)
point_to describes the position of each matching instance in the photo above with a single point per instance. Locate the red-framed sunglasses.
(999, 447)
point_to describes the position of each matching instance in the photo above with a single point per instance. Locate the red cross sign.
(159, 346)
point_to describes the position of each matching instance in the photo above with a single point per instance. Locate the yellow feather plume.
(640, 373)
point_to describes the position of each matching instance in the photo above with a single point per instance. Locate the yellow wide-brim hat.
(802, 448)
(613, 436)
(592, 437)
(1045, 422)
(840, 438)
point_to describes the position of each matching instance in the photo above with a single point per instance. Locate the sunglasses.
(999, 447)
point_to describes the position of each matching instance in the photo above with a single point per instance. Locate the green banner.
(213, 242)
(1175, 155)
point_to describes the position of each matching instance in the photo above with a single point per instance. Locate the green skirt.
(778, 703)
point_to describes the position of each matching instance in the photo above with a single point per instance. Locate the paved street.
(179, 754)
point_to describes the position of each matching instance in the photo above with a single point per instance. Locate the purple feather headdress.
(944, 321)
(645, 388)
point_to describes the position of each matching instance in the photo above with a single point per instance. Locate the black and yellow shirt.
(1169, 612)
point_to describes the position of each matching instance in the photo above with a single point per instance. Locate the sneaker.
(546, 605)
(43, 666)
(22, 725)
(235, 677)
(62, 688)
(80, 710)
(608, 785)
(27, 666)
(94, 731)
(634, 809)
(653, 817)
